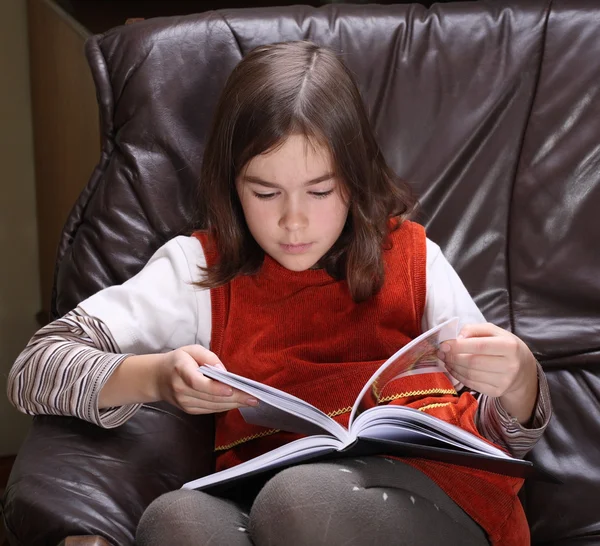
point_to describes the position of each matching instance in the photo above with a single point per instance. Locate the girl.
(309, 276)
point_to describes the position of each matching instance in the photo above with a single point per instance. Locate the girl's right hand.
(181, 384)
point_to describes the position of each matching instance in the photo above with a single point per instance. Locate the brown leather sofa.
(491, 110)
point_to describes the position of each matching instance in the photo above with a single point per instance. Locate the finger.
(484, 363)
(483, 329)
(194, 403)
(203, 356)
(200, 386)
(506, 346)
(478, 385)
(477, 374)
(204, 411)
(492, 346)
(236, 397)
(196, 381)
(196, 385)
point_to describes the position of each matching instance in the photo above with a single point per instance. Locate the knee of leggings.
(164, 510)
(310, 487)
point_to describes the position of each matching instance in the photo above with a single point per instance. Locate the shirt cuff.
(106, 417)
(495, 423)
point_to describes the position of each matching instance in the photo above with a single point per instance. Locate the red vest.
(302, 333)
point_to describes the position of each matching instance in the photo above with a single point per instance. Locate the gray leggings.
(364, 501)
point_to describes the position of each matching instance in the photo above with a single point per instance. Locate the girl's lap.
(345, 501)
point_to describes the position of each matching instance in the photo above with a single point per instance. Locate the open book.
(373, 428)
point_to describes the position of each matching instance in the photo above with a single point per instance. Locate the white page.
(416, 357)
(414, 418)
(278, 409)
(390, 431)
(284, 455)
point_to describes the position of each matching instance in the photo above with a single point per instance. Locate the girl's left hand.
(495, 362)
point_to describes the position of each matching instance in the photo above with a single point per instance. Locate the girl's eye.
(267, 196)
(264, 195)
(321, 194)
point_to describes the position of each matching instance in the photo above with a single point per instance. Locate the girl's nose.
(293, 219)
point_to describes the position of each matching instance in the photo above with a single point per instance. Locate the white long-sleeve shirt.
(65, 365)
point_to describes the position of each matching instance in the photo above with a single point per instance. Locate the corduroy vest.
(301, 332)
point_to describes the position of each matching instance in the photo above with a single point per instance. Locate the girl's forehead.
(296, 155)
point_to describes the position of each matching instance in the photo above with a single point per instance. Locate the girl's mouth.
(296, 248)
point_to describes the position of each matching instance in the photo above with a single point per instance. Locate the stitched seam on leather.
(235, 37)
(518, 168)
(69, 232)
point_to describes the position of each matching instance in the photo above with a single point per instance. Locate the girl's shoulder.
(200, 235)
(406, 246)
(207, 244)
(410, 234)
(407, 231)
(181, 249)
(159, 307)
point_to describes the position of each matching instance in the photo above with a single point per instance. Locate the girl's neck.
(273, 269)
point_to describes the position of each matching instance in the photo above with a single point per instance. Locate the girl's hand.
(495, 362)
(181, 384)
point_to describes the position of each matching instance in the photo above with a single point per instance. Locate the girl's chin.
(297, 264)
(296, 267)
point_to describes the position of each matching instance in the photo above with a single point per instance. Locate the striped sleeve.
(498, 426)
(448, 297)
(63, 368)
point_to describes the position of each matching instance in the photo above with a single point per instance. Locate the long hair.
(299, 88)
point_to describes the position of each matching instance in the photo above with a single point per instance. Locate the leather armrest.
(84, 541)
(74, 478)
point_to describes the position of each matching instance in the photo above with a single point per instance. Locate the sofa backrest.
(491, 111)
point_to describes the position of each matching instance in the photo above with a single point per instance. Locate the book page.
(417, 357)
(392, 422)
(276, 408)
(285, 455)
(270, 416)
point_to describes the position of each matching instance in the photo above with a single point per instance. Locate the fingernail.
(220, 366)
(252, 401)
(445, 347)
(227, 391)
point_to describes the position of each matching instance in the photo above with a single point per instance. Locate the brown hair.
(299, 88)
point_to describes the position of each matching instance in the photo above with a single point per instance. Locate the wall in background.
(19, 279)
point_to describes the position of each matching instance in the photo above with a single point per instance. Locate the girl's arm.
(514, 405)
(497, 424)
(517, 432)
(65, 365)
(83, 364)
(172, 377)
(72, 367)
(63, 369)
(495, 362)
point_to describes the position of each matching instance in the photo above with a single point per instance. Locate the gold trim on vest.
(408, 394)
(247, 439)
(438, 405)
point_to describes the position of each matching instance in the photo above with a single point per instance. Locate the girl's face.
(293, 202)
